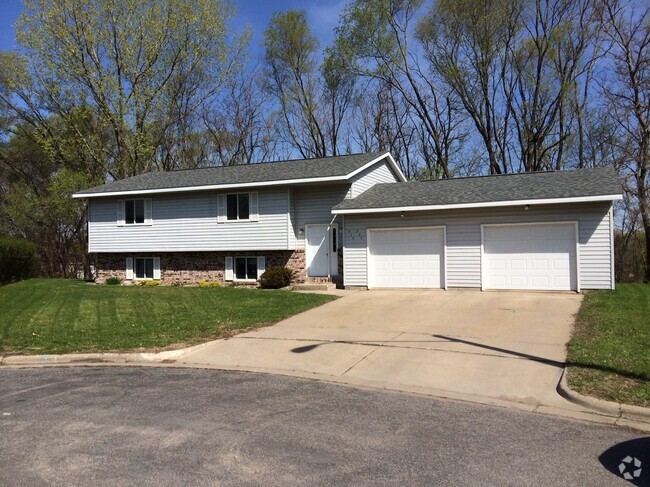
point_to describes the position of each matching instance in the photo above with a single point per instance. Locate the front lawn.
(609, 354)
(59, 316)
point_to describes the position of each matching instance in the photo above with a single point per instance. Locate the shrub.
(276, 277)
(209, 284)
(150, 283)
(113, 281)
(17, 259)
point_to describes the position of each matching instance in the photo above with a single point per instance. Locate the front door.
(320, 256)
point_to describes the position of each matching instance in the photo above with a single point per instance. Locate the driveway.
(461, 344)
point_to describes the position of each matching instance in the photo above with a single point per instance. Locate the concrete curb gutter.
(622, 411)
(166, 356)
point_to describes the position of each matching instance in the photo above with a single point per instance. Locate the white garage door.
(409, 258)
(536, 257)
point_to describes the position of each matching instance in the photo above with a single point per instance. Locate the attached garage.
(549, 231)
(540, 257)
(406, 258)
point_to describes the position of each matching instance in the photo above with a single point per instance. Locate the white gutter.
(549, 201)
(207, 187)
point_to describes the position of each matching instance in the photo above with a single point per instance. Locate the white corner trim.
(611, 247)
(550, 201)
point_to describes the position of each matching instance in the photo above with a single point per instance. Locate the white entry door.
(322, 256)
(535, 257)
(406, 258)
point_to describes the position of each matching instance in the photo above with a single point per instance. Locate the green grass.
(609, 353)
(60, 316)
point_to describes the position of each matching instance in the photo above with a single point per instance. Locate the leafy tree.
(144, 66)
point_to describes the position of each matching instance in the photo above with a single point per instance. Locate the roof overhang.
(281, 182)
(489, 204)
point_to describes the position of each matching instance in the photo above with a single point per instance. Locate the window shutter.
(129, 267)
(120, 213)
(254, 207)
(261, 266)
(221, 208)
(148, 213)
(229, 271)
(156, 267)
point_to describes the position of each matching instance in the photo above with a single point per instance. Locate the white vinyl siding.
(464, 239)
(313, 205)
(185, 222)
(366, 179)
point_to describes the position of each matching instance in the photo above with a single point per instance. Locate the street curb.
(625, 411)
(101, 357)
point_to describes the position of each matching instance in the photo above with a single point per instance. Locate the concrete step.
(314, 286)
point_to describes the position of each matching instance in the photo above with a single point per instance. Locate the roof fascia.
(548, 201)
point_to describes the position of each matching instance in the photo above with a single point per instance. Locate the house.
(355, 220)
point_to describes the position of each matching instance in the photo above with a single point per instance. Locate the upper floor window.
(133, 211)
(238, 206)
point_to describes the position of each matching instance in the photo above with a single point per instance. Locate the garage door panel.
(406, 258)
(535, 257)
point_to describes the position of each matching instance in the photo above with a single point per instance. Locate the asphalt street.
(170, 426)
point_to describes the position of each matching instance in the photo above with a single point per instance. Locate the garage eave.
(487, 204)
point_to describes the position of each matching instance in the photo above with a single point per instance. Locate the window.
(133, 212)
(246, 268)
(238, 206)
(143, 268)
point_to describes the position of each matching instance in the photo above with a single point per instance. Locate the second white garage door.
(406, 258)
(535, 257)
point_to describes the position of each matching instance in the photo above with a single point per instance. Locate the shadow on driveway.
(629, 460)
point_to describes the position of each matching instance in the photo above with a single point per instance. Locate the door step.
(314, 286)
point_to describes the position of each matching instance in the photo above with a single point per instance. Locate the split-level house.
(356, 221)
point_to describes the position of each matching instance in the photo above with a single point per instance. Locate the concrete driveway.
(492, 347)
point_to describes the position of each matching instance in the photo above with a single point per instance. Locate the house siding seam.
(366, 179)
(189, 223)
(189, 268)
(464, 239)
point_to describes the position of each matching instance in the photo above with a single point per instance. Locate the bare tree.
(628, 100)
(376, 38)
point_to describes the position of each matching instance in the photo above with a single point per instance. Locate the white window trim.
(234, 267)
(148, 211)
(154, 278)
(250, 198)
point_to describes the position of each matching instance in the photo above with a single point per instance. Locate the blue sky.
(321, 14)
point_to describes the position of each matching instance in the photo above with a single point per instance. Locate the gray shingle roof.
(339, 166)
(488, 189)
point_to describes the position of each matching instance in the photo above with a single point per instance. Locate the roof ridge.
(266, 162)
(525, 173)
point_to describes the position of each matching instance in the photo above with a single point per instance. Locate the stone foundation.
(193, 267)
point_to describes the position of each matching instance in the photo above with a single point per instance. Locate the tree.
(143, 66)
(628, 99)
(311, 107)
(374, 36)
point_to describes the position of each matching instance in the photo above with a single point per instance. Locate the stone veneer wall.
(192, 267)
